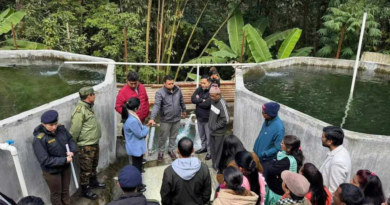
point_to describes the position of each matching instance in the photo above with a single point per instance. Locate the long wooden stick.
(160, 33)
(242, 46)
(13, 34)
(68, 35)
(125, 57)
(147, 32)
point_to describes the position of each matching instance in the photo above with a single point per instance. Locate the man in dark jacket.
(169, 102)
(49, 144)
(218, 123)
(201, 98)
(130, 180)
(187, 180)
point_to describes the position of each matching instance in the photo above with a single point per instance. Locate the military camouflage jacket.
(85, 128)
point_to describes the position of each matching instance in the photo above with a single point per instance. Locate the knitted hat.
(214, 89)
(271, 109)
(50, 116)
(130, 177)
(296, 183)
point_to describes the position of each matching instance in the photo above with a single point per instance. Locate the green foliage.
(261, 25)
(302, 52)
(288, 45)
(207, 60)
(257, 45)
(22, 45)
(149, 74)
(7, 17)
(193, 77)
(235, 25)
(277, 36)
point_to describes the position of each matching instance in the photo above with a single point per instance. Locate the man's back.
(132, 199)
(186, 185)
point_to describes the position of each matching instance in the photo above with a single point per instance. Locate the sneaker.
(172, 155)
(208, 157)
(160, 157)
(200, 151)
(144, 161)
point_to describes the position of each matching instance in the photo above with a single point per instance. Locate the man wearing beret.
(271, 135)
(49, 144)
(86, 132)
(130, 180)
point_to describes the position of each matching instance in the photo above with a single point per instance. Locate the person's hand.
(203, 100)
(150, 123)
(71, 154)
(197, 96)
(184, 114)
(68, 159)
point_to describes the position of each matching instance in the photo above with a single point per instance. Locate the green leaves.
(260, 25)
(207, 60)
(302, 52)
(277, 36)
(23, 45)
(224, 54)
(222, 46)
(258, 46)
(193, 76)
(7, 17)
(288, 45)
(235, 25)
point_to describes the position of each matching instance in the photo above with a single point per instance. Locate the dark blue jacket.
(202, 107)
(268, 142)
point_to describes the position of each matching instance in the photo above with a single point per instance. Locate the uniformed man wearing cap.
(49, 144)
(86, 133)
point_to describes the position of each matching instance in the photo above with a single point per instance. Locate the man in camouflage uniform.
(86, 132)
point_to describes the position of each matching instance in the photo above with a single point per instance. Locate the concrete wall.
(367, 151)
(20, 127)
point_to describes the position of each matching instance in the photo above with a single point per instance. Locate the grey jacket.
(169, 104)
(219, 118)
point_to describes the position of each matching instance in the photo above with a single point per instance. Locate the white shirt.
(336, 169)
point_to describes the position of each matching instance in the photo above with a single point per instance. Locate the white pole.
(20, 175)
(160, 64)
(197, 76)
(347, 107)
(358, 53)
(73, 172)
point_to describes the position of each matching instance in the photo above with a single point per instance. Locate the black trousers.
(137, 162)
(59, 186)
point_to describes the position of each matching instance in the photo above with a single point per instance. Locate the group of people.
(275, 172)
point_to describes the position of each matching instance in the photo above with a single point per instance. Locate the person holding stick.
(86, 132)
(49, 147)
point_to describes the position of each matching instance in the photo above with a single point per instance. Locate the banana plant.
(258, 46)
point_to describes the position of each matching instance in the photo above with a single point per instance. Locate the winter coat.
(268, 142)
(135, 134)
(186, 181)
(85, 128)
(134, 198)
(228, 197)
(126, 93)
(219, 118)
(169, 104)
(50, 148)
(203, 104)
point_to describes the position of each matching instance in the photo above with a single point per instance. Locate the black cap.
(49, 116)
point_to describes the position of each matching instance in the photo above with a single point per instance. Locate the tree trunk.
(305, 14)
(160, 33)
(340, 41)
(147, 32)
(321, 11)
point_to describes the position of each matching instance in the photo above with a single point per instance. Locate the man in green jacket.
(86, 132)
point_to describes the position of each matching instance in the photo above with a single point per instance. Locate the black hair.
(314, 176)
(132, 76)
(351, 194)
(167, 77)
(128, 189)
(213, 71)
(234, 178)
(185, 146)
(131, 104)
(31, 200)
(206, 77)
(335, 134)
(230, 146)
(244, 159)
(293, 145)
(373, 191)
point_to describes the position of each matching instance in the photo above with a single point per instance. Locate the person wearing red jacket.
(133, 88)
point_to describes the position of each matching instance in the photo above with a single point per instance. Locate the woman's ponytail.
(125, 113)
(131, 104)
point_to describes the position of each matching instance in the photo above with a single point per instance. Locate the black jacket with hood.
(186, 181)
(202, 107)
(50, 148)
(134, 198)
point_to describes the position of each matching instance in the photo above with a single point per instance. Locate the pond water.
(26, 86)
(323, 93)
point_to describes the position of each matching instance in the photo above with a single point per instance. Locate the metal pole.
(358, 54)
(197, 76)
(73, 172)
(163, 64)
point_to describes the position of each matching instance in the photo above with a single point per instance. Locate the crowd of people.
(273, 172)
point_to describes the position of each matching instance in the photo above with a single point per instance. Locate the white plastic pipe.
(73, 172)
(14, 153)
(358, 54)
(162, 64)
(197, 76)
